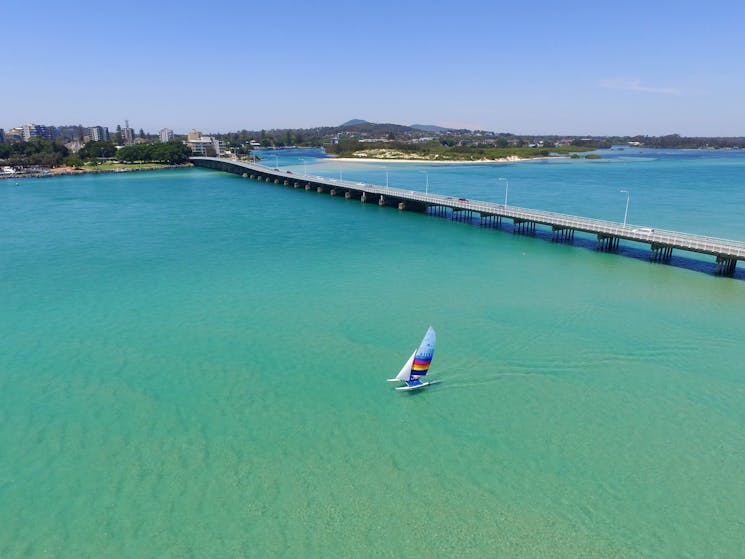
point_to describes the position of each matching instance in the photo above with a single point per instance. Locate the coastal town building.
(74, 145)
(166, 135)
(2, 136)
(128, 134)
(14, 135)
(220, 146)
(98, 134)
(193, 135)
(204, 145)
(31, 131)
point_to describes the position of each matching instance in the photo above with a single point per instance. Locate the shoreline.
(508, 159)
(66, 171)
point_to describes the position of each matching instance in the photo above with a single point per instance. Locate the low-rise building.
(205, 144)
(14, 134)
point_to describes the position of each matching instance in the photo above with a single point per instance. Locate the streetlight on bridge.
(626, 213)
(426, 181)
(305, 169)
(506, 189)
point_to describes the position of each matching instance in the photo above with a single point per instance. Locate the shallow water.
(194, 365)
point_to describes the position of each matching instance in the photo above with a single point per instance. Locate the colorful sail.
(418, 364)
(424, 355)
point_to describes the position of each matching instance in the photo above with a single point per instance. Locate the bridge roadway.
(661, 242)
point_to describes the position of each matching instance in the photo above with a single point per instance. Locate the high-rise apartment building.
(128, 134)
(98, 133)
(40, 131)
(166, 135)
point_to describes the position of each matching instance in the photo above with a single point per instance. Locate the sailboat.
(418, 364)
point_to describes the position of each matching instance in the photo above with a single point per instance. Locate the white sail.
(405, 372)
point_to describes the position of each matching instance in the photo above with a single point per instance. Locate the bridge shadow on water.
(586, 241)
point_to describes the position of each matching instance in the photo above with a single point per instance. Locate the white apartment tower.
(166, 135)
(98, 133)
(128, 135)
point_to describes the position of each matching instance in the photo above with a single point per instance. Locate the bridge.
(562, 226)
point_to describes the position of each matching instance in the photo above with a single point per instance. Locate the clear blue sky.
(630, 67)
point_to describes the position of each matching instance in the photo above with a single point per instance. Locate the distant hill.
(353, 122)
(372, 129)
(430, 128)
(357, 124)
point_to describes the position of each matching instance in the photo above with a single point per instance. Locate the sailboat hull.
(416, 386)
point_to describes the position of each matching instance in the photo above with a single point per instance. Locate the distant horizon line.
(417, 126)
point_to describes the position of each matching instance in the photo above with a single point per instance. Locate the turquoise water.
(194, 364)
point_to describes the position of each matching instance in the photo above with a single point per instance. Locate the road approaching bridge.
(608, 233)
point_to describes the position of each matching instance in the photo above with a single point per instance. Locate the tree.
(34, 152)
(95, 150)
(173, 152)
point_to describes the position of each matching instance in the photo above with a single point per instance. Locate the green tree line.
(34, 152)
(173, 152)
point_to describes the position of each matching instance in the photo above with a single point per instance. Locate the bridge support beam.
(660, 253)
(491, 220)
(562, 234)
(381, 201)
(461, 215)
(307, 186)
(319, 189)
(363, 198)
(726, 265)
(607, 243)
(522, 226)
(402, 206)
(347, 195)
(332, 192)
(441, 211)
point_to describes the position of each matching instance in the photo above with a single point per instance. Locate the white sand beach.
(416, 159)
